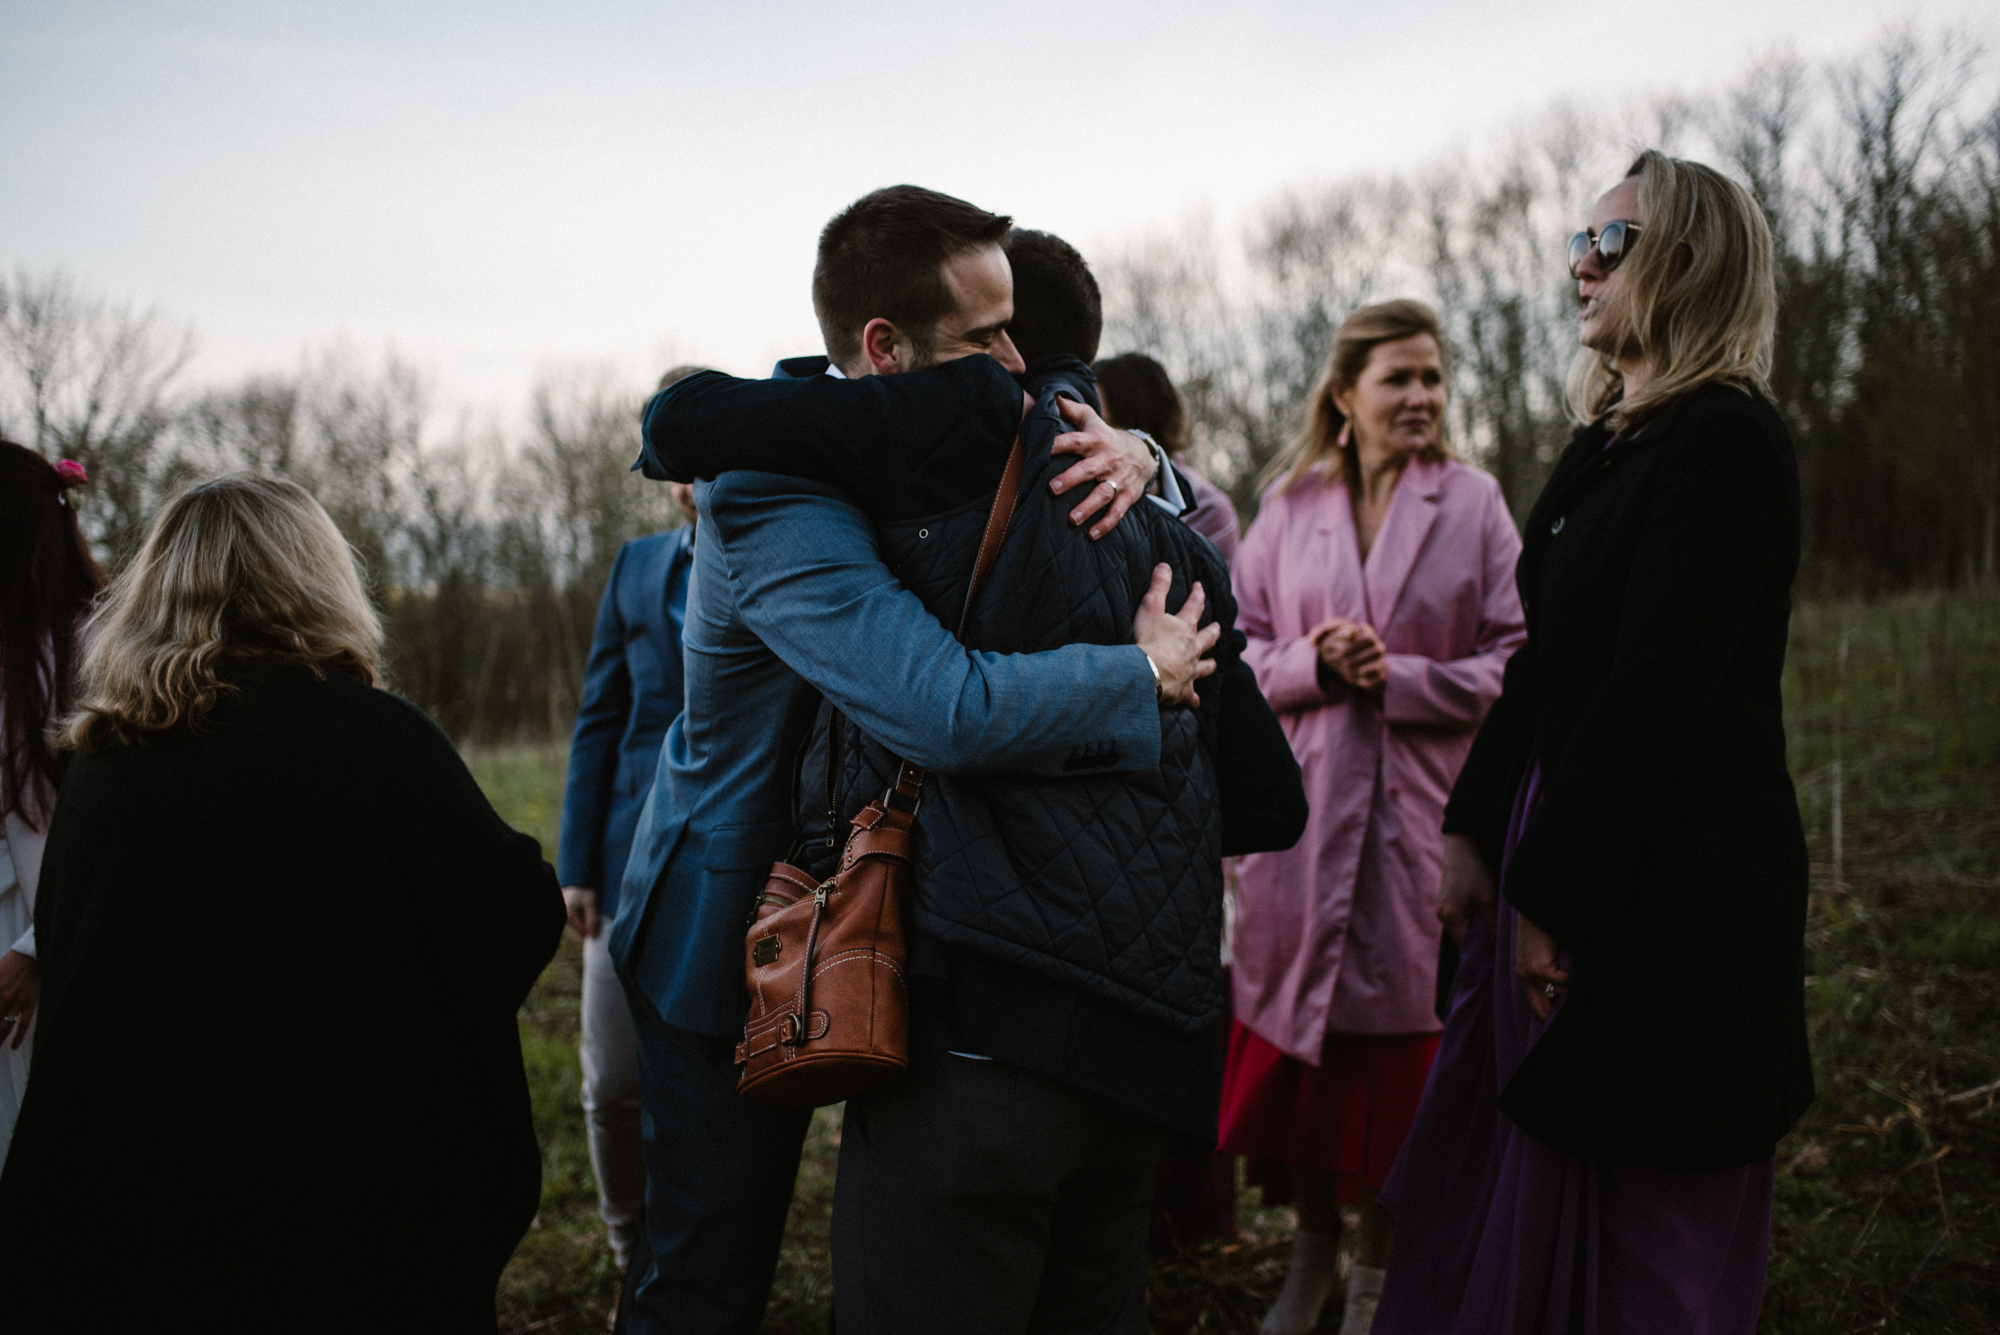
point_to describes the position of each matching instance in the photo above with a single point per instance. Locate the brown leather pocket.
(823, 963)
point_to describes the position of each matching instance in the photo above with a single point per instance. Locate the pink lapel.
(1412, 511)
(1345, 590)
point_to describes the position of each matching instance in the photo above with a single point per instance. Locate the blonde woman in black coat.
(1625, 867)
(283, 939)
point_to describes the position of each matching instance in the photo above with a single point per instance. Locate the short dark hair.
(675, 374)
(883, 256)
(1057, 307)
(1140, 395)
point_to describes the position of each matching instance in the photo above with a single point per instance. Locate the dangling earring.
(1346, 430)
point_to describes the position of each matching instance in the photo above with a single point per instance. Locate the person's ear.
(880, 343)
(1343, 399)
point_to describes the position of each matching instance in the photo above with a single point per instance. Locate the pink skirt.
(1347, 1116)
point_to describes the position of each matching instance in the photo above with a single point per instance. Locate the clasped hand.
(1352, 651)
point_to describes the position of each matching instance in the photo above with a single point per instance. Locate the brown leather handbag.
(829, 1005)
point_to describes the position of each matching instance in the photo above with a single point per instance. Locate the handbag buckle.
(907, 785)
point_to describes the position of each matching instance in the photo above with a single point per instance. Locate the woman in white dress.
(47, 581)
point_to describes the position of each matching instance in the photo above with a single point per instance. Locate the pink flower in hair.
(71, 473)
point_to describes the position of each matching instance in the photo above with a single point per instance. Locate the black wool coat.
(1667, 854)
(277, 1080)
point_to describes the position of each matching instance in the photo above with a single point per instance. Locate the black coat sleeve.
(1483, 797)
(493, 902)
(1263, 794)
(1719, 526)
(1259, 787)
(902, 445)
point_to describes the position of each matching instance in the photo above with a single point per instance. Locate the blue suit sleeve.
(810, 581)
(601, 717)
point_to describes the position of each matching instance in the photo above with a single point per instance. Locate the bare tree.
(1884, 204)
(254, 427)
(88, 380)
(488, 555)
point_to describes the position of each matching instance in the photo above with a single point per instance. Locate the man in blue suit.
(631, 694)
(790, 603)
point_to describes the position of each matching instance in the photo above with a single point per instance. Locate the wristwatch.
(1159, 683)
(1165, 486)
(1159, 455)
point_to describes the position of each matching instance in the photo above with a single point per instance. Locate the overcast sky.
(495, 188)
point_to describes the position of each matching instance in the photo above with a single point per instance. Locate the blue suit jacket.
(789, 599)
(632, 691)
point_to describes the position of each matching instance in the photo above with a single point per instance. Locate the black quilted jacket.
(1108, 882)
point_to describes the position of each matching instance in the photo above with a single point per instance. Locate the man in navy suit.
(631, 694)
(791, 603)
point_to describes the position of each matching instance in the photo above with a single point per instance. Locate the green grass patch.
(1888, 1210)
(1888, 1203)
(562, 1278)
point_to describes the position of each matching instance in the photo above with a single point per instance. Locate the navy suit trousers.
(719, 1176)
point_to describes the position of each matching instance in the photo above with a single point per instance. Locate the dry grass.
(1888, 1209)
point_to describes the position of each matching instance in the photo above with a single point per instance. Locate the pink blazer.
(1339, 933)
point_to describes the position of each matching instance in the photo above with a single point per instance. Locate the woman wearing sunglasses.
(1625, 869)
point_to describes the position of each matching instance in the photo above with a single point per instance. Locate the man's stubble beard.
(923, 353)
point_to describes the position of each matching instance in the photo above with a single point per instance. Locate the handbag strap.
(997, 519)
(906, 793)
(909, 784)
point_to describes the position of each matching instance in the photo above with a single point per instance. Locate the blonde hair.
(1355, 341)
(239, 569)
(1699, 295)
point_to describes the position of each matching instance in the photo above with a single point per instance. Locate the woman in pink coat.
(1376, 587)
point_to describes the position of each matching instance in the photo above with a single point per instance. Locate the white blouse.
(24, 845)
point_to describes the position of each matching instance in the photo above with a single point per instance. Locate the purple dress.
(1498, 1233)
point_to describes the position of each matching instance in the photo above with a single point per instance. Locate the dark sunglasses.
(1610, 244)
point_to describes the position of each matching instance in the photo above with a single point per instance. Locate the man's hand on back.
(1172, 640)
(1119, 462)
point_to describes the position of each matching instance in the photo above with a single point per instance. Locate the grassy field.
(1888, 1209)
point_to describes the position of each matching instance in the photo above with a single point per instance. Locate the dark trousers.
(977, 1197)
(719, 1176)
(1196, 1199)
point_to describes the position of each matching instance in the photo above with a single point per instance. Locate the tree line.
(1881, 179)
(487, 554)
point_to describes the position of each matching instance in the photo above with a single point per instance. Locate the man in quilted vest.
(1065, 952)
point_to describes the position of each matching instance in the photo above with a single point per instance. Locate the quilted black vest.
(1111, 882)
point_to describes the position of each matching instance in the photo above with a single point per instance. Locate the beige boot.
(1309, 1282)
(1364, 1290)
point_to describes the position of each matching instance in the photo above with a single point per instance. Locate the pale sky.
(496, 188)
